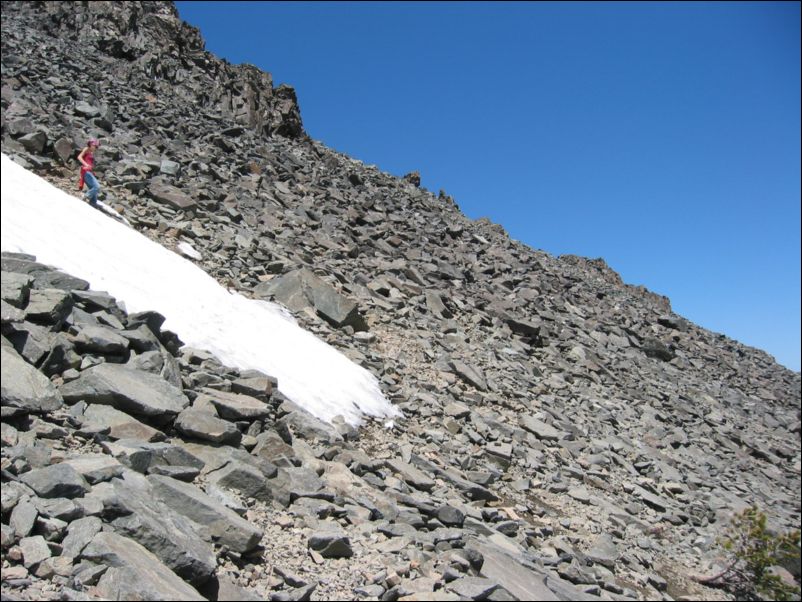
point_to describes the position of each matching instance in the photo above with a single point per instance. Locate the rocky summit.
(565, 436)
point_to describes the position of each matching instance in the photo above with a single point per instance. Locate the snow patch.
(61, 231)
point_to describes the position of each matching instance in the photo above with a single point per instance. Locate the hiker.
(87, 161)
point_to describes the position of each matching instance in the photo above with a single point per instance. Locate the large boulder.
(134, 573)
(129, 390)
(170, 195)
(301, 289)
(219, 523)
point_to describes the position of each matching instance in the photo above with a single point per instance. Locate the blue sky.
(663, 137)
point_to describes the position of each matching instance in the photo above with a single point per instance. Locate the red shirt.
(90, 159)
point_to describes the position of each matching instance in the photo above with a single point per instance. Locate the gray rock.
(296, 594)
(86, 110)
(182, 473)
(271, 447)
(61, 508)
(604, 551)
(16, 288)
(522, 582)
(500, 453)
(34, 550)
(48, 306)
(168, 167)
(52, 529)
(434, 302)
(23, 517)
(55, 279)
(10, 314)
(370, 591)
(141, 456)
(260, 387)
(674, 322)
(470, 374)
(170, 195)
(411, 475)
(79, 534)
(657, 349)
(54, 568)
(96, 468)
(528, 328)
(102, 340)
(331, 545)
(11, 493)
(134, 573)
(64, 149)
(302, 289)
(540, 429)
(171, 536)
(7, 537)
(657, 582)
(580, 494)
(200, 424)
(120, 424)
(305, 425)
(9, 436)
(130, 452)
(457, 410)
(244, 478)
(507, 527)
(221, 524)
(235, 406)
(576, 574)
(132, 391)
(657, 502)
(58, 480)
(228, 591)
(31, 341)
(60, 357)
(290, 484)
(473, 588)
(450, 516)
(25, 387)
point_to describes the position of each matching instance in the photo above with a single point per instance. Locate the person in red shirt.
(87, 160)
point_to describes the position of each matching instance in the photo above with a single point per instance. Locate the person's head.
(92, 143)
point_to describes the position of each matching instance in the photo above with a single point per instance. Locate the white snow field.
(64, 232)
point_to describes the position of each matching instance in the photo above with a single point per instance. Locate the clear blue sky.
(663, 137)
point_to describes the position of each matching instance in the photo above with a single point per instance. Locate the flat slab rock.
(121, 425)
(234, 406)
(57, 480)
(222, 524)
(131, 391)
(134, 573)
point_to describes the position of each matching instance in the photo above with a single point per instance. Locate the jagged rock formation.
(566, 435)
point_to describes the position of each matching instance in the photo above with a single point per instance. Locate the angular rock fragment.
(132, 391)
(221, 524)
(57, 480)
(25, 387)
(134, 573)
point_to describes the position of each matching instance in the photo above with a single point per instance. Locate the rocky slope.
(566, 436)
